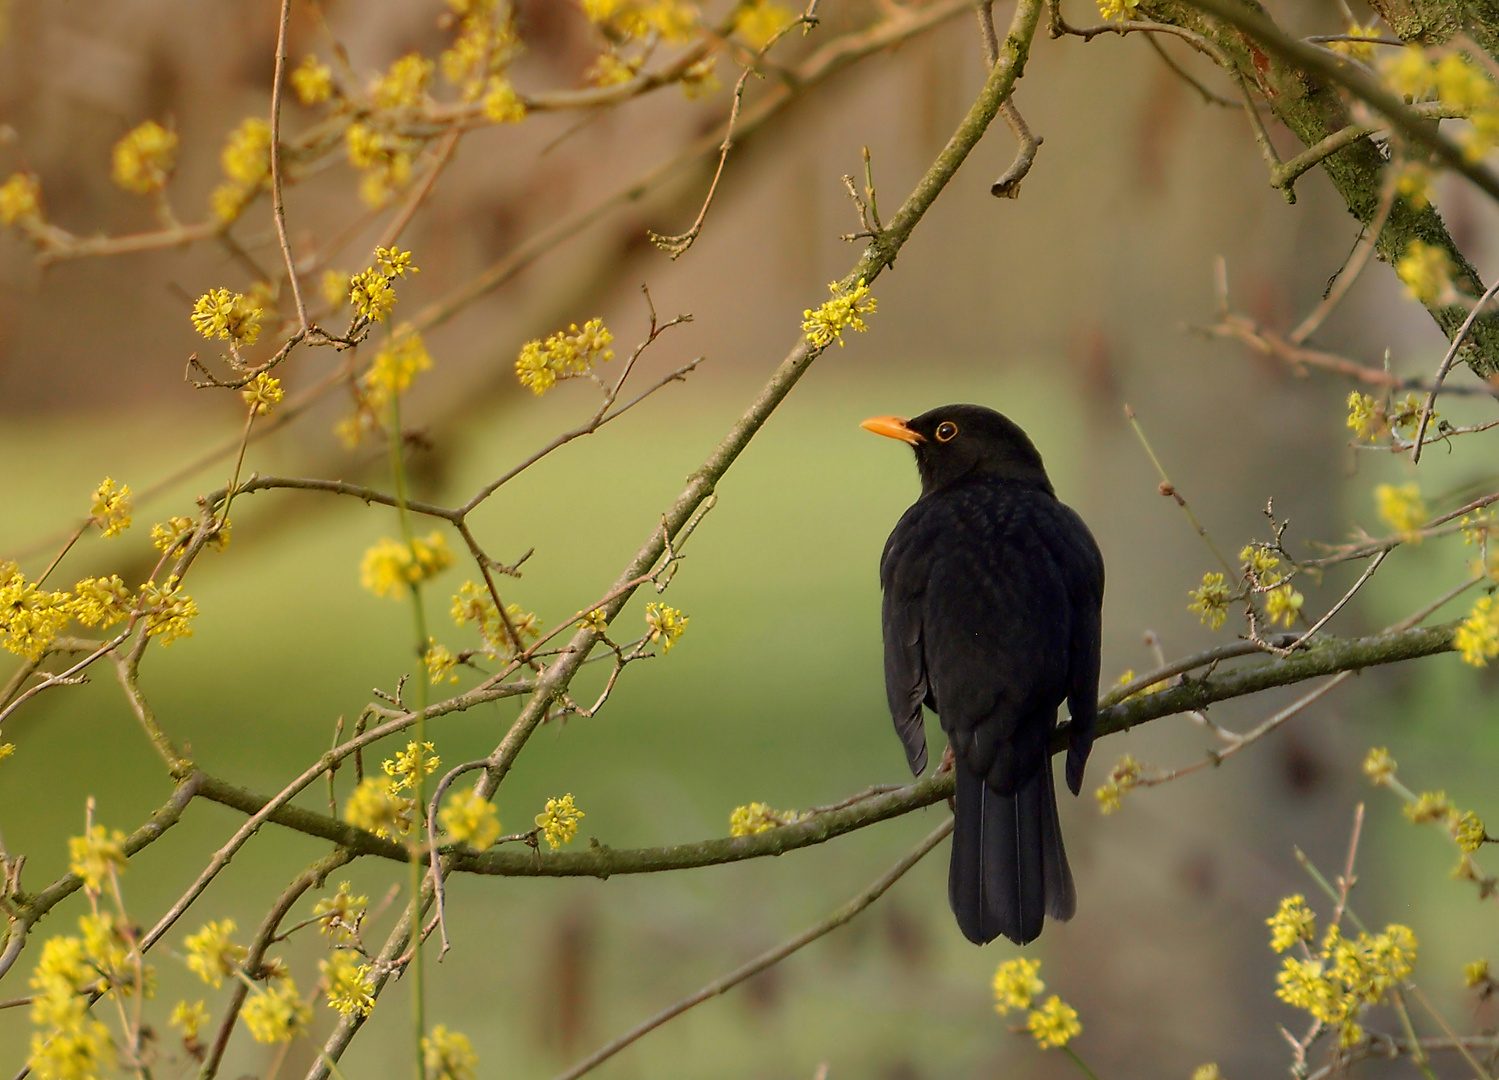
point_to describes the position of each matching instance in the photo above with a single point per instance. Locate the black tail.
(1009, 869)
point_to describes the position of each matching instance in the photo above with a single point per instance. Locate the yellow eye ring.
(946, 431)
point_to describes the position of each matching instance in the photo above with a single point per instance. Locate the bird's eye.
(946, 430)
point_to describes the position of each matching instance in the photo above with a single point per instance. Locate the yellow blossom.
(1365, 417)
(1477, 639)
(1459, 82)
(502, 105)
(390, 567)
(20, 199)
(144, 158)
(757, 817)
(276, 1014)
(1125, 775)
(700, 80)
(1016, 985)
(410, 764)
(262, 392)
(109, 953)
(596, 620)
(229, 316)
(1260, 564)
(1429, 806)
(6, 749)
(375, 807)
(611, 69)
(312, 80)
(1283, 605)
(1402, 508)
(473, 604)
(1208, 1071)
(448, 1055)
(759, 22)
(168, 534)
(100, 601)
(384, 158)
(395, 367)
(1293, 922)
(667, 624)
(1476, 973)
(559, 821)
(483, 47)
(169, 611)
(95, 855)
(1357, 50)
(470, 818)
(1379, 766)
(1210, 600)
(81, 1050)
(674, 20)
(1053, 1024)
(844, 311)
(1427, 272)
(334, 286)
(405, 84)
(340, 915)
(111, 507)
(189, 1019)
(1467, 830)
(1118, 10)
(211, 953)
(246, 161)
(371, 294)
(30, 618)
(1413, 184)
(565, 355)
(440, 662)
(1408, 72)
(347, 983)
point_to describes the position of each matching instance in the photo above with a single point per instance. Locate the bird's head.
(955, 442)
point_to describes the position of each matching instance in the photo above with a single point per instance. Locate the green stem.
(418, 830)
(1080, 1063)
(1417, 1054)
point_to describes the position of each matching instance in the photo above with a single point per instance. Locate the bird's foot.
(947, 761)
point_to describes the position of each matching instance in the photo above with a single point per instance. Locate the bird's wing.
(1083, 568)
(997, 626)
(903, 582)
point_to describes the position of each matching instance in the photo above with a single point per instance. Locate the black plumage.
(993, 597)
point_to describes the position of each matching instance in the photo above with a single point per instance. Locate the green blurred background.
(1057, 309)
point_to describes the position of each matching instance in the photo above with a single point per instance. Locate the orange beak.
(892, 427)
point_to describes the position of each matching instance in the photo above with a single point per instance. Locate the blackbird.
(993, 602)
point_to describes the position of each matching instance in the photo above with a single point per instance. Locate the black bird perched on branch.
(993, 598)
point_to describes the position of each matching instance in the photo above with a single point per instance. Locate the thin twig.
(1446, 365)
(277, 208)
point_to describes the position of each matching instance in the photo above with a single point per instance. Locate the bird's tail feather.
(1009, 869)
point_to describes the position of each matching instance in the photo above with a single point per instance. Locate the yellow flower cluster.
(340, 915)
(372, 294)
(1403, 509)
(96, 855)
(334, 287)
(68, 1043)
(611, 69)
(375, 807)
(111, 508)
(1365, 417)
(20, 199)
(312, 81)
(262, 393)
(1369, 419)
(390, 567)
(1427, 272)
(1413, 184)
(383, 157)
(189, 1019)
(212, 954)
(396, 366)
(559, 821)
(1335, 983)
(347, 983)
(1261, 566)
(1210, 1070)
(173, 531)
(674, 20)
(470, 818)
(1379, 766)
(565, 355)
(31, 618)
(1454, 80)
(844, 311)
(1476, 973)
(757, 817)
(404, 85)
(144, 158)
(483, 49)
(1292, 923)
(229, 316)
(246, 161)
(502, 105)
(1017, 984)
(667, 624)
(448, 1055)
(440, 662)
(277, 1014)
(6, 749)
(1355, 50)
(410, 764)
(1283, 605)
(1210, 600)
(1477, 639)
(1118, 10)
(1126, 775)
(169, 611)
(473, 604)
(759, 21)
